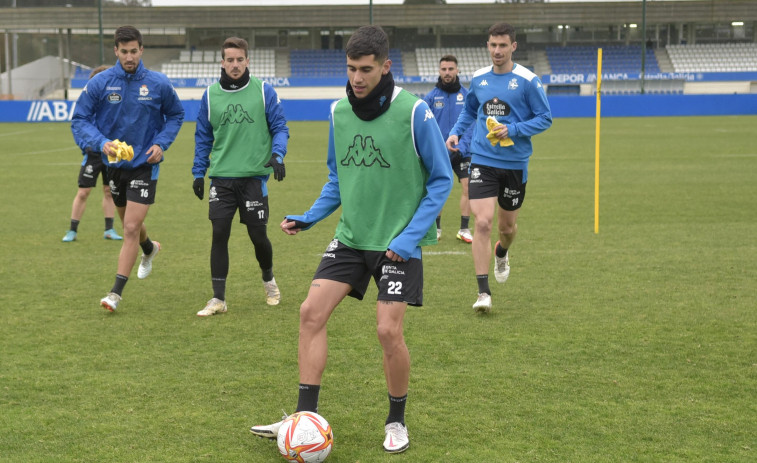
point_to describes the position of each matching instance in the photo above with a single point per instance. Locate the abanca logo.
(50, 111)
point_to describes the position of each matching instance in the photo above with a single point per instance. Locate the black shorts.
(132, 185)
(248, 194)
(506, 184)
(92, 168)
(396, 281)
(461, 168)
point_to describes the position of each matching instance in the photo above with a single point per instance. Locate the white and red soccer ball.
(305, 437)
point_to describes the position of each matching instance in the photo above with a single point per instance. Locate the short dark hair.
(98, 70)
(127, 34)
(234, 42)
(448, 58)
(368, 40)
(502, 29)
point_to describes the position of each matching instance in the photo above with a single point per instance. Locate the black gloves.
(199, 187)
(278, 167)
(299, 224)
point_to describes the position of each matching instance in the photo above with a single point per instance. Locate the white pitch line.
(7, 134)
(445, 253)
(43, 152)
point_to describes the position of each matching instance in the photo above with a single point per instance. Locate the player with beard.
(134, 105)
(242, 136)
(390, 173)
(446, 100)
(508, 104)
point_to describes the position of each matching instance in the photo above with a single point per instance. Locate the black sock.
(219, 288)
(483, 284)
(396, 409)
(439, 221)
(268, 274)
(74, 225)
(108, 223)
(118, 286)
(464, 221)
(308, 399)
(500, 251)
(146, 246)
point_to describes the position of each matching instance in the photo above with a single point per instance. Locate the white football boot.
(213, 307)
(397, 439)
(272, 293)
(483, 304)
(110, 302)
(465, 235)
(145, 266)
(501, 266)
(270, 431)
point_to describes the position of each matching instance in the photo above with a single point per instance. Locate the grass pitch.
(637, 344)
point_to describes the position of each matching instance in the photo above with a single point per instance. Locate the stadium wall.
(562, 106)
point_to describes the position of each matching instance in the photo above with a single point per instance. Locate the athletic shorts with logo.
(92, 168)
(136, 185)
(396, 281)
(506, 184)
(249, 195)
(461, 167)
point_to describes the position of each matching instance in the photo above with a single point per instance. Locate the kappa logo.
(483, 83)
(363, 152)
(235, 114)
(429, 115)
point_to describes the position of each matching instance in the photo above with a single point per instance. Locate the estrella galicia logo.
(363, 152)
(235, 114)
(114, 98)
(496, 107)
(332, 245)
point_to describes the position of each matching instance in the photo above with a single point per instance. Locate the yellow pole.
(596, 142)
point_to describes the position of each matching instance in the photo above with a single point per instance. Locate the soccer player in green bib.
(390, 172)
(240, 140)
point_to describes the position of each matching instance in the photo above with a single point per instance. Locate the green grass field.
(637, 344)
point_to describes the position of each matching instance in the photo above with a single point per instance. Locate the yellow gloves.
(492, 122)
(124, 152)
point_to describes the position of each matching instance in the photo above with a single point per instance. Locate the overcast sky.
(317, 2)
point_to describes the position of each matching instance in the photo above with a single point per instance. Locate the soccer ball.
(305, 437)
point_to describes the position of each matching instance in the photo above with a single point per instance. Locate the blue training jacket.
(516, 99)
(446, 108)
(141, 109)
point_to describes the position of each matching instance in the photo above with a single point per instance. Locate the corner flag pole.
(596, 142)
